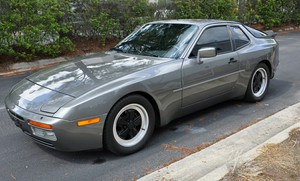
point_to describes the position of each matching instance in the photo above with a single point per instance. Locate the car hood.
(79, 76)
(38, 99)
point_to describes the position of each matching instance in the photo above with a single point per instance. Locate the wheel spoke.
(256, 89)
(128, 125)
(123, 133)
(131, 115)
(259, 77)
(122, 121)
(257, 82)
(131, 134)
(127, 115)
(137, 121)
(255, 77)
(134, 131)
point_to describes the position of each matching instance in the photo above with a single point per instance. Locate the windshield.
(158, 40)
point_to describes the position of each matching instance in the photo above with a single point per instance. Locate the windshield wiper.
(118, 49)
(149, 54)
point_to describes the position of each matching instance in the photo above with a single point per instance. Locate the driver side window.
(217, 37)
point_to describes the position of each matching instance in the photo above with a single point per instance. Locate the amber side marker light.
(88, 121)
(40, 125)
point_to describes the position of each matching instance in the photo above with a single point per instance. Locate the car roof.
(199, 22)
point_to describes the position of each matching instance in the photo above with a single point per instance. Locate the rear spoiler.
(269, 34)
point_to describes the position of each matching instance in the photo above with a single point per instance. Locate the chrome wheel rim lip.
(261, 85)
(141, 132)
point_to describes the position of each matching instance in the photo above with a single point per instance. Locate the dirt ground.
(276, 162)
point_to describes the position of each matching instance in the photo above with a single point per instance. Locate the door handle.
(232, 60)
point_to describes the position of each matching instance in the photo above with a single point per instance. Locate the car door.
(215, 76)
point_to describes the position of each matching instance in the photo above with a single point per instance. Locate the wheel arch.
(249, 95)
(115, 147)
(268, 64)
(153, 103)
(149, 98)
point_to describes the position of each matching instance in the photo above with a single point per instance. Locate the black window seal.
(266, 35)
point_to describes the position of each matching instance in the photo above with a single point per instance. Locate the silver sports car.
(162, 71)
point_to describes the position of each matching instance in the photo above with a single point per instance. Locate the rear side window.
(255, 32)
(239, 37)
(217, 37)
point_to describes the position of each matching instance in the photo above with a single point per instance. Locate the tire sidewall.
(110, 142)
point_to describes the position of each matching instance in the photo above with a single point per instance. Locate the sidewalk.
(214, 162)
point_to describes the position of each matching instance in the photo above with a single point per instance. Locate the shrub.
(247, 12)
(112, 18)
(202, 9)
(31, 27)
(273, 13)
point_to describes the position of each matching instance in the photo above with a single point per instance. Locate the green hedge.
(203, 9)
(275, 13)
(34, 27)
(30, 28)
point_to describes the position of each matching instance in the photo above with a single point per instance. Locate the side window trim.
(233, 40)
(214, 26)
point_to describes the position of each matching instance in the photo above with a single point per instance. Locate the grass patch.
(275, 162)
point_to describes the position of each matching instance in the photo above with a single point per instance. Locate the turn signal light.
(88, 121)
(40, 125)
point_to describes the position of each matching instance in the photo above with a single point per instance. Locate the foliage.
(202, 9)
(103, 26)
(275, 13)
(32, 27)
(130, 13)
(247, 12)
(296, 15)
(111, 18)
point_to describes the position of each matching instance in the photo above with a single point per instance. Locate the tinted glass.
(239, 37)
(256, 32)
(158, 40)
(217, 37)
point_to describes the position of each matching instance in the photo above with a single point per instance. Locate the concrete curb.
(23, 67)
(220, 172)
(214, 162)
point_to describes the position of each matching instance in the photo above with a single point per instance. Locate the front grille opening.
(18, 119)
(42, 142)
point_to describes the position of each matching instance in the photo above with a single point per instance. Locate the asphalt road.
(22, 159)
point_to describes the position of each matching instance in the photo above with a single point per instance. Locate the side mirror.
(206, 53)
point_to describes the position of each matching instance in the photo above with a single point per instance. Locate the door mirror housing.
(207, 52)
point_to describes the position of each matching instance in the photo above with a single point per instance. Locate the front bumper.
(70, 137)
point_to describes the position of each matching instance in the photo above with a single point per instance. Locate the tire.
(129, 125)
(258, 84)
